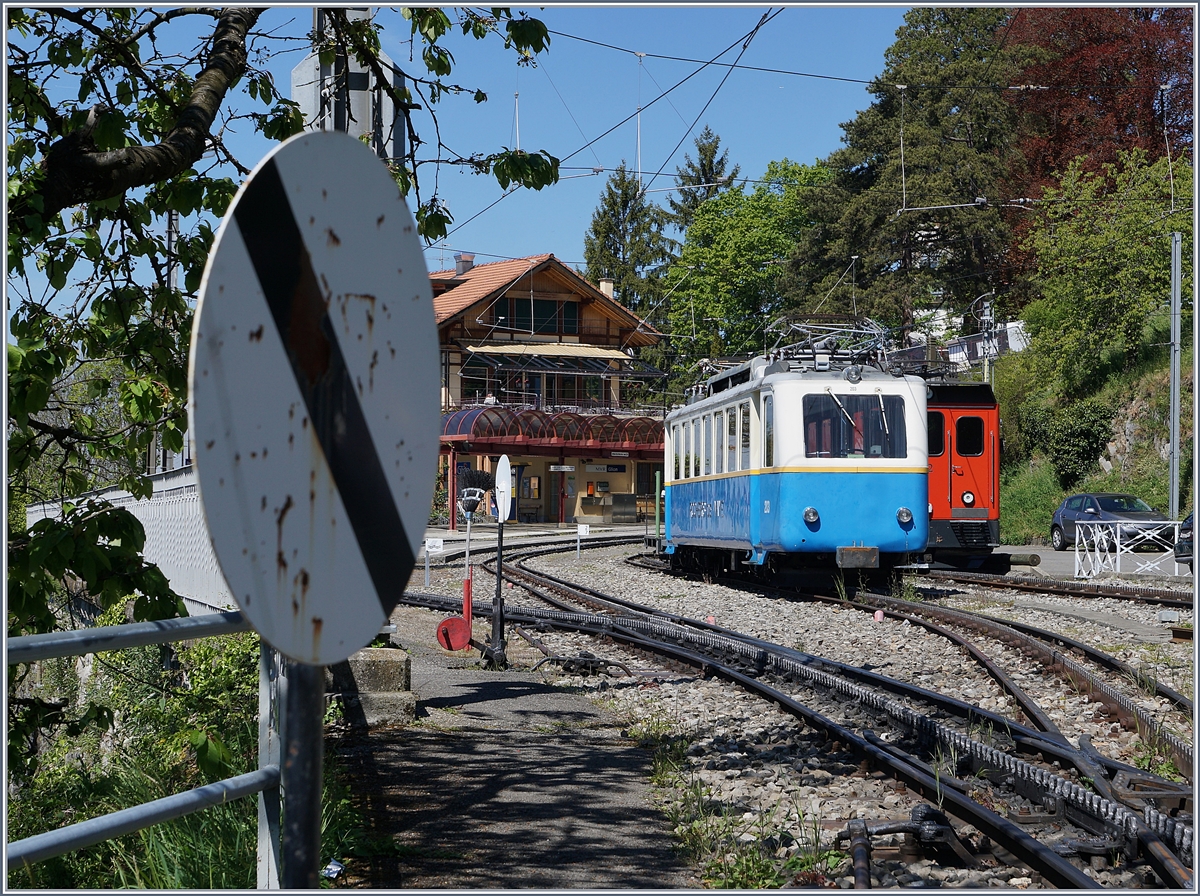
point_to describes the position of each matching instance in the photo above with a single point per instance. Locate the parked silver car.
(1124, 511)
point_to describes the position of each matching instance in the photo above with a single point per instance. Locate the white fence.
(1147, 547)
(177, 539)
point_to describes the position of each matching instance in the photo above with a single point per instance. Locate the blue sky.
(580, 90)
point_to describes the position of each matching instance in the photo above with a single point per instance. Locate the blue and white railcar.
(791, 462)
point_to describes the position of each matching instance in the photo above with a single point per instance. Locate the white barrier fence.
(1100, 547)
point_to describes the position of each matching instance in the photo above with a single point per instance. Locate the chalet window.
(517, 314)
(545, 316)
(570, 317)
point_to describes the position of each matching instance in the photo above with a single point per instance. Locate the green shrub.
(1028, 497)
(1077, 436)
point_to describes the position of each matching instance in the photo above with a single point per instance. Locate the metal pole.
(1176, 242)
(498, 603)
(268, 754)
(304, 752)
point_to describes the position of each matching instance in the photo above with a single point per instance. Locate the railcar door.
(939, 465)
(971, 448)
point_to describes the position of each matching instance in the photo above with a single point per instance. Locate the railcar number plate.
(858, 558)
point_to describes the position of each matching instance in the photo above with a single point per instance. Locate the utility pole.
(1176, 302)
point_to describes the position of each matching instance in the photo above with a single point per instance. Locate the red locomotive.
(964, 475)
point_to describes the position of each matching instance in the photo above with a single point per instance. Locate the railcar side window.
(768, 431)
(687, 450)
(859, 426)
(719, 447)
(696, 443)
(968, 436)
(937, 433)
(707, 445)
(745, 435)
(678, 446)
(731, 445)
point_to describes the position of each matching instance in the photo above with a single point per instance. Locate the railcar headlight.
(904, 515)
(931, 509)
(968, 498)
(811, 515)
(853, 373)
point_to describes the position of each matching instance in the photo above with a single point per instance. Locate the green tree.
(626, 241)
(725, 279)
(118, 119)
(1102, 247)
(701, 179)
(923, 220)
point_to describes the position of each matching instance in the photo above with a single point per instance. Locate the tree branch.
(75, 173)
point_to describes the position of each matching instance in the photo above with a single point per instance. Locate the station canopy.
(562, 358)
(501, 430)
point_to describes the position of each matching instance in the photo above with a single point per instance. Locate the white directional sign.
(314, 396)
(503, 488)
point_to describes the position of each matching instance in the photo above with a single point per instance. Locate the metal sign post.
(503, 505)
(581, 529)
(314, 412)
(432, 546)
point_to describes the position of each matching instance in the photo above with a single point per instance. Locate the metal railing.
(264, 781)
(1099, 547)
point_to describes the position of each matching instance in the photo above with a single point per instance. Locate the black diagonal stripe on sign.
(285, 274)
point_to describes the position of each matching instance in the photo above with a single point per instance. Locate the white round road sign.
(503, 488)
(314, 396)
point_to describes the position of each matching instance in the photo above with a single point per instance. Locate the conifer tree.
(626, 241)
(701, 179)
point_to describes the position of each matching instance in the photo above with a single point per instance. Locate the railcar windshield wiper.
(883, 414)
(842, 407)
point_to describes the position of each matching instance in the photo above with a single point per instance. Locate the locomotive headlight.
(853, 373)
(811, 515)
(904, 515)
(931, 509)
(968, 498)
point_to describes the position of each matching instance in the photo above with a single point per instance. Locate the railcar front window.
(855, 426)
(677, 445)
(968, 436)
(745, 435)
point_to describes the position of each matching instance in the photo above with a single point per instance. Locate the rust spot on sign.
(317, 624)
(306, 339)
(379, 221)
(256, 335)
(331, 238)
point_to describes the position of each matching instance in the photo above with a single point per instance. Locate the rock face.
(374, 687)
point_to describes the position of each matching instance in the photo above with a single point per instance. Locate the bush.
(1076, 438)
(1028, 499)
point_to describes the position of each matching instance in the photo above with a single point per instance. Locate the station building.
(533, 358)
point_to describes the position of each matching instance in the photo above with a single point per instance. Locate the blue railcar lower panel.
(764, 511)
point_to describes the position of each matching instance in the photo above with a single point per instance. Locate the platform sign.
(503, 488)
(314, 396)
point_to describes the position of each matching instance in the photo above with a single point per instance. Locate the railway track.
(1013, 761)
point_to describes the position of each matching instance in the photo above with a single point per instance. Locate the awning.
(567, 358)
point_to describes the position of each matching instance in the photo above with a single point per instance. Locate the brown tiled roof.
(478, 283)
(494, 277)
